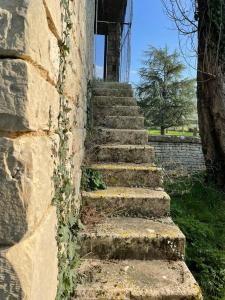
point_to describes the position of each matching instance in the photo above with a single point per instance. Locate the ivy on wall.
(64, 197)
(92, 180)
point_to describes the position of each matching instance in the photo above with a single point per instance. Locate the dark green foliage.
(165, 97)
(89, 106)
(199, 210)
(68, 256)
(92, 180)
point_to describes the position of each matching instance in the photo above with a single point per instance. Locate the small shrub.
(91, 180)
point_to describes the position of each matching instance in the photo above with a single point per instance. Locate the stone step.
(120, 136)
(139, 280)
(116, 92)
(133, 238)
(112, 85)
(123, 201)
(130, 175)
(118, 110)
(124, 153)
(120, 122)
(113, 101)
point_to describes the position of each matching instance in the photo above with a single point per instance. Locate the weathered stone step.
(124, 153)
(120, 122)
(130, 175)
(117, 92)
(133, 238)
(123, 201)
(118, 110)
(139, 280)
(120, 136)
(113, 101)
(111, 84)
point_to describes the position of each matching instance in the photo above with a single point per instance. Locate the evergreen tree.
(167, 99)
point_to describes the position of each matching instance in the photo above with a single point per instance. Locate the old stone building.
(30, 34)
(46, 70)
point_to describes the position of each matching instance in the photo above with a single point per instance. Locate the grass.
(170, 132)
(199, 211)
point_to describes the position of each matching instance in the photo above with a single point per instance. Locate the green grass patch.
(199, 210)
(170, 132)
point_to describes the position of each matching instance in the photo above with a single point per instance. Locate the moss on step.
(133, 238)
(119, 280)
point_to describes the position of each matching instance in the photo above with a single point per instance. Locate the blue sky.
(150, 27)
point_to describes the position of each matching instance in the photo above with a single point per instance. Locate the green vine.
(89, 107)
(64, 198)
(91, 180)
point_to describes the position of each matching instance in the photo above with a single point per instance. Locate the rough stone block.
(113, 101)
(120, 122)
(100, 111)
(29, 269)
(26, 170)
(123, 153)
(112, 84)
(80, 67)
(78, 139)
(130, 175)
(27, 100)
(53, 11)
(117, 201)
(135, 279)
(73, 73)
(25, 33)
(120, 136)
(133, 238)
(123, 92)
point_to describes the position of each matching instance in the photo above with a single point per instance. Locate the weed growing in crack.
(64, 196)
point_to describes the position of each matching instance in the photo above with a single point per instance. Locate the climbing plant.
(91, 180)
(64, 196)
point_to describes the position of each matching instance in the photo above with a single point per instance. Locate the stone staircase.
(136, 252)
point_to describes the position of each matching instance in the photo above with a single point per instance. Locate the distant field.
(170, 132)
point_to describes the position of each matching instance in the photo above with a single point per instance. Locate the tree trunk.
(211, 89)
(162, 129)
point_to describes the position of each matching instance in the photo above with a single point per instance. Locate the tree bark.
(162, 130)
(211, 91)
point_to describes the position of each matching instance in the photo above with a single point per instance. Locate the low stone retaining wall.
(178, 152)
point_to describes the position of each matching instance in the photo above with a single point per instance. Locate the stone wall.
(178, 152)
(29, 102)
